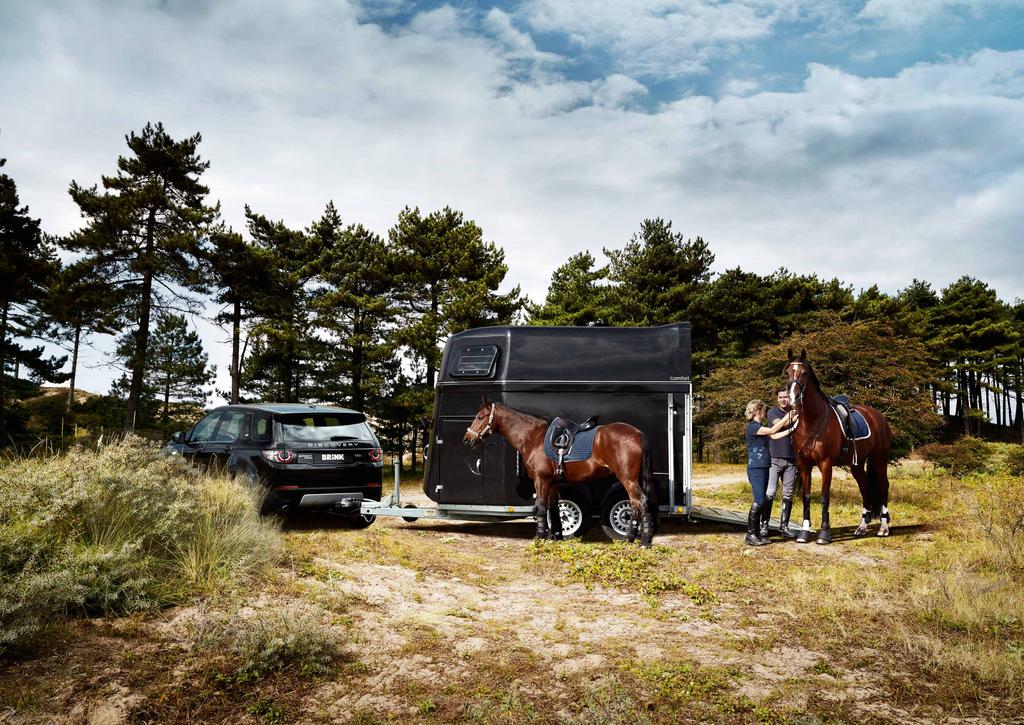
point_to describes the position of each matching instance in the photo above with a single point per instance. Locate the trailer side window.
(477, 361)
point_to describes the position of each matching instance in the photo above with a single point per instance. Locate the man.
(783, 466)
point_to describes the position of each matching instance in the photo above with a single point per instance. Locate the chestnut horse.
(619, 449)
(819, 441)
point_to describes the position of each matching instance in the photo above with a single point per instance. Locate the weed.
(289, 637)
(266, 710)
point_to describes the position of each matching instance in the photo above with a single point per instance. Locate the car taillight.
(376, 455)
(279, 456)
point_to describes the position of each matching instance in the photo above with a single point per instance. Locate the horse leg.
(882, 480)
(805, 482)
(540, 508)
(865, 494)
(634, 493)
(555, 512)
(825, 534)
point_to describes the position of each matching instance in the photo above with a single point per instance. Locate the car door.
(229, 430)
(195, 448)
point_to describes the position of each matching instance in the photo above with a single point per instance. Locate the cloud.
(872, 179)
(914, 13)
(669, 37)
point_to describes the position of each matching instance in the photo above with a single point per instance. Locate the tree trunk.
(74, 368)
(1020, 397)
(288, 373)
(167, 398)
(3, 368)
(142, 333)
(964, 401)
(357, 368)
(236, 334)
(431, 370)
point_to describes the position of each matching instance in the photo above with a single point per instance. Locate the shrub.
(118, 530)
(1015, 460)
(289, 637)
(966, 456)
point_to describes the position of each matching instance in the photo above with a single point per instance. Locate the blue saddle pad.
(860, 425)
(582, 445)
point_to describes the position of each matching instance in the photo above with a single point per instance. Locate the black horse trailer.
(637, 375)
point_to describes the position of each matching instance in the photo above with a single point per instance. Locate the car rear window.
(324, 427)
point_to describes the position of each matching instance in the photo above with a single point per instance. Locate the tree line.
(335, 313)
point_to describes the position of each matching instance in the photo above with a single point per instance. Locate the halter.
(486, 430)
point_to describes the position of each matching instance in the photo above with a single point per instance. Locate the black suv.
(306, 456)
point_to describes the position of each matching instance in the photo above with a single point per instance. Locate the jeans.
(758, 478)
(786, 468)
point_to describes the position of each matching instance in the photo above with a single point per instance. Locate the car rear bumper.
(293, 498)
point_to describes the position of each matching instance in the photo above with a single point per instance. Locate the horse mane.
(525, 418)
(814, 378)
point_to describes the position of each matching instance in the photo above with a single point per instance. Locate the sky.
(876, 141)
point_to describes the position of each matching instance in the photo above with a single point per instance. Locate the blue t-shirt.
(783, 447)
(758, 455)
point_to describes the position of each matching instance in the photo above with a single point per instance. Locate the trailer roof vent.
(476, 362)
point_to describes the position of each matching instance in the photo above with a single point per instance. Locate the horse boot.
(754, 526)
(787, 510)
(647, 531)
(766, 515)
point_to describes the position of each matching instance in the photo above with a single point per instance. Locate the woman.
(759, 460)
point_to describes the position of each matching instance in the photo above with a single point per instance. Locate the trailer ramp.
(724, 516)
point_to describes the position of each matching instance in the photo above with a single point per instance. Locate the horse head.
(482, 425)
(797, 372)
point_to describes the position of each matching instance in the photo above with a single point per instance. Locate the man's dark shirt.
(783, 447)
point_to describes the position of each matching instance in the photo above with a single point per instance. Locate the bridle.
(487, 429)
(796, 399)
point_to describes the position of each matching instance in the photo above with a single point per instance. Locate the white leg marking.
(807, 524)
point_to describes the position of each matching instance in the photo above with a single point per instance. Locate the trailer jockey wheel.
(410, 519)
(615, 517)
(576, 515)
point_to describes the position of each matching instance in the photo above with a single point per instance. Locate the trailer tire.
(576, 514)
(615, 516)
(410, 519)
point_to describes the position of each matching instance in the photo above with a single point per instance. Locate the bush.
(1015, 460)
(290, 637)
(118, 530)
(966, 456)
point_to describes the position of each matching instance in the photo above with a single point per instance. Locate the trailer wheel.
(576, 515)
(410, 519)
(615, 518)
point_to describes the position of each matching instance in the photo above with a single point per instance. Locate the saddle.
(560, 443)
(855, 426)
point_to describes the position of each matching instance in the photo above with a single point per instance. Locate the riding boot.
(766, 514)
(787, 509)
(754, 526)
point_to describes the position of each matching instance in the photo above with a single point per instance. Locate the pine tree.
(657, 275)
(27, 264)
(178, 367)
(576, 296)
(284, 348)
(242, 274)
(79, 303)
(144, 233)
(448, 279)
(355, 306)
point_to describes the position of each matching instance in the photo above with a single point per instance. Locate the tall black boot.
(754, 526)
(787, 509)
(766, 514)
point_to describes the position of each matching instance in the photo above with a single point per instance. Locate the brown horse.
(619, 449)
(819, 441)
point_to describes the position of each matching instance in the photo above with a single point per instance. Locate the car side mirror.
(178, 437)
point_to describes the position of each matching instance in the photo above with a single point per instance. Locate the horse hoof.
(803, 538)
(861, 530)
(883, 532)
